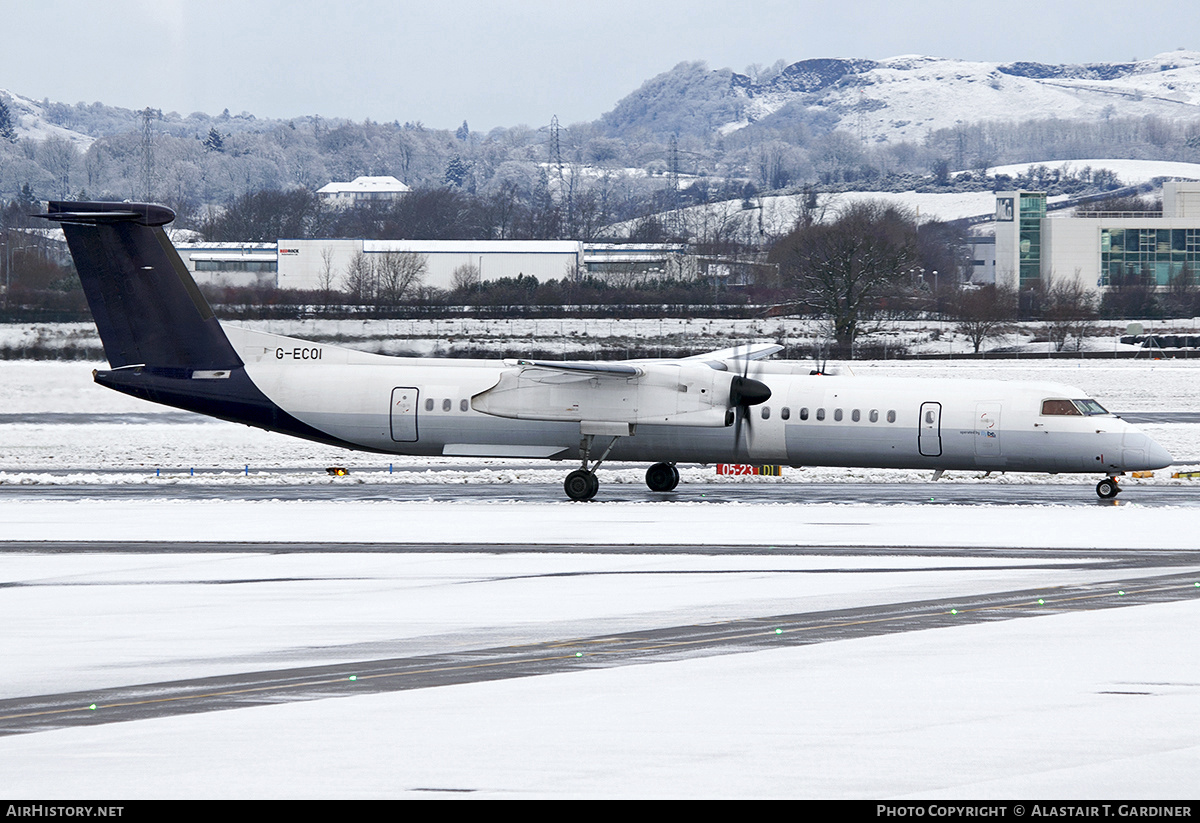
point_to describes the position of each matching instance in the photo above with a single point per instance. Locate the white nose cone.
(1140, 453)
(1156, 456)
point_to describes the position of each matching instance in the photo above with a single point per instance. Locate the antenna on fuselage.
(821, 346)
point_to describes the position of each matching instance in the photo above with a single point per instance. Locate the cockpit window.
(1088, 406)
(1059, 407)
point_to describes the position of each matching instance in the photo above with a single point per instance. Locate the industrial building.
(316, 264)
(302, 263)
(231, 264)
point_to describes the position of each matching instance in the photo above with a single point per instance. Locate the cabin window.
(874, 415)
(1090, 407)
(820, 414)
(837, 414)
(856, 415)
(462, 405)
(1059, 407)
(429, 404)
(446, 405)
(766, 412)
(891, 415)
(804, 412)
(785, 413)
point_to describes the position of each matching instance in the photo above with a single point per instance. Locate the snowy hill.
(906, 97)
(29, 121)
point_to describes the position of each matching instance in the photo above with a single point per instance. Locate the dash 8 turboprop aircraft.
(164, 345)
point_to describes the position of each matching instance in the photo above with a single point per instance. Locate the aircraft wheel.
(662, 477)
(581, 485)
(1107, 488)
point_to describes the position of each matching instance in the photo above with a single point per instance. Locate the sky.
(510, 63)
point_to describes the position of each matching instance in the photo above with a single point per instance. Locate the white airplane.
(164, 345)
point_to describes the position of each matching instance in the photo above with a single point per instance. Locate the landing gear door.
(929, 439)
(404, 414)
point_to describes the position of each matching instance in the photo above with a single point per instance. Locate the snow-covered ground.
(1080, 705)
(613, 339)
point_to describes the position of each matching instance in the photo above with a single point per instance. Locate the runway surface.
(75, 709)
(972, 493)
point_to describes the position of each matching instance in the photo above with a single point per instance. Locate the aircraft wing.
(748, 351)
(680, 393)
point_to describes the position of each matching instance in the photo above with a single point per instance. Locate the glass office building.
(1098, 249)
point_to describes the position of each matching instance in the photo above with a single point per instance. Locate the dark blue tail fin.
(147, 307)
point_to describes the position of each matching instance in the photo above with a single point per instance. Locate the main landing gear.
(582, 484)
(662, 477)
(1107, 488)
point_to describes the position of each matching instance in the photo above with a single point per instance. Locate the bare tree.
(1068, 309)
(465, 278)
(839, 268)
(359, 279)
(398, 275)
(57, 155)
(326, 277)
(985, 312)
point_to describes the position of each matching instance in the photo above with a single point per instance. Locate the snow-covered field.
(1080, 705)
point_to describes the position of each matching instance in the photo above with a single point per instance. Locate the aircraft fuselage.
(426, 406)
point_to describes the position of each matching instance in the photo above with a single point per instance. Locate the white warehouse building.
(302, 262)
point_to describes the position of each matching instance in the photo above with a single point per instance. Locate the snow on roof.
(365, 184)
(473, 246)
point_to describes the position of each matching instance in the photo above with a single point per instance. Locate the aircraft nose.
(1141, 452)
(1156, 456)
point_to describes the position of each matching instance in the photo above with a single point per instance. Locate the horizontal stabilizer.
(146, 214)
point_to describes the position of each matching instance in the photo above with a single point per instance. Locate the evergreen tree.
(7, 130)
(457, 171)
(214, 142)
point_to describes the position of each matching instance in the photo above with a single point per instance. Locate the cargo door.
(987, 430)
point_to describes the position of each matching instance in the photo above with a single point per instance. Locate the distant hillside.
(689, 137)
(905, 98)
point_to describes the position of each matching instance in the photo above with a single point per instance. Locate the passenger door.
(404, 414)
(929, 438)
